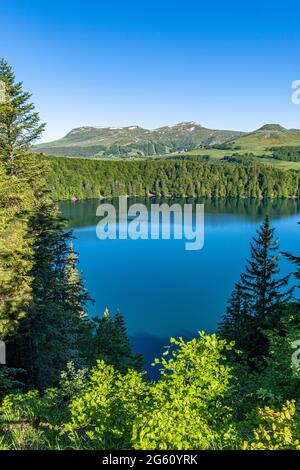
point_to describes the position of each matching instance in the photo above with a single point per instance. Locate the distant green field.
(259, 157)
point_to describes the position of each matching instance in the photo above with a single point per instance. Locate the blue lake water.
(163, 290)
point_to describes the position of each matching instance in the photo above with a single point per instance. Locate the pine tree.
(258, 299)
(236, 321)
(131, 361)
(119, 321)
(266, 293)
(19, 122)
(22, 182)
(75, 298)
(111, 343)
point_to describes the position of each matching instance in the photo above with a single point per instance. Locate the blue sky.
(223, 64)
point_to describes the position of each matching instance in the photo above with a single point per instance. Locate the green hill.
(135, 141)
(270, 135)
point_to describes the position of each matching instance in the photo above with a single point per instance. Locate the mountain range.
(129, 141)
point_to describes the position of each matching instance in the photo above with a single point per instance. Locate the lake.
(163, 290)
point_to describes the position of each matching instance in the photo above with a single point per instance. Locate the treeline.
(288, 153)
(191, 158)
(78, 178)
(246, 158)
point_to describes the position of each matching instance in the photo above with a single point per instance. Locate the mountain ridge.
(134, 140)
(92, 141)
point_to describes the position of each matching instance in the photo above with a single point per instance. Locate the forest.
(73, 382)
(86, 179)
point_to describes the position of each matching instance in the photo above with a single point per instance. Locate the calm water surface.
(163, 290)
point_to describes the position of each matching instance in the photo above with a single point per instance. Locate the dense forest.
(79, 178)
(72, 382)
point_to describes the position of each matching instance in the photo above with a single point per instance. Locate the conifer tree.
(75, 298)
(259, 297)
(237, 318)
(22, 184)
(19, 122)
(111, 343)
(265, 291)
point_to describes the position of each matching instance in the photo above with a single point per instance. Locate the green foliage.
(275, 383)
(276, 430)
(27, 421)
(15, 250)
(192, 406)
(185, 409)
(110, 410)
(102, 415)
(9, 382)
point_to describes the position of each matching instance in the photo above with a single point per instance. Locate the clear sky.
(225, 64)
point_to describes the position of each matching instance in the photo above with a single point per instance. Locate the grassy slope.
(217, 155)
(258, 143)
(270, 135)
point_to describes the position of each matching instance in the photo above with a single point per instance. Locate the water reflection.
(163, 290)
(83, 213)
